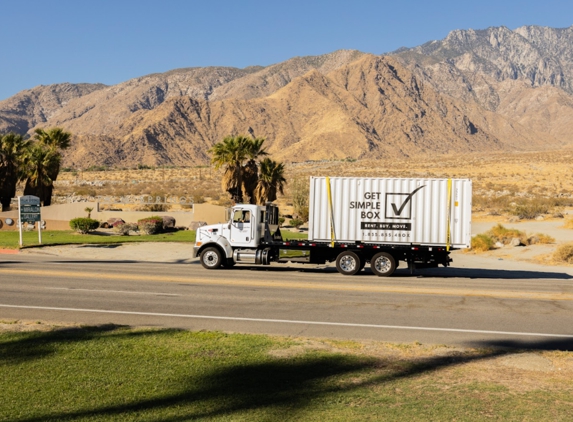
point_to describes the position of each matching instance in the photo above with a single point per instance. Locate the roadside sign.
(29, 212)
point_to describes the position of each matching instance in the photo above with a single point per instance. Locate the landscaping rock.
(533, 240)
(111, 221)
(104, 225)
(196, 224)
(168, 222)
(515, 242)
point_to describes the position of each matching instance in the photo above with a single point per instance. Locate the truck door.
(241, 228)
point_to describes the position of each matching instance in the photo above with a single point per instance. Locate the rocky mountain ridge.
(486, 90)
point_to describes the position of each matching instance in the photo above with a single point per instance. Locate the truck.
(353, 221)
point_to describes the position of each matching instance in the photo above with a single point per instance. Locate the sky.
(110, 41)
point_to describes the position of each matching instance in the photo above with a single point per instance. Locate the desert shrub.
(564, 253)
(568, 223)
(543, 239)
(198, 198)
(482, 243)
(295, 222)
(504, 235)
(535, 207)
(84, 225)
(150, 225)
(281, 221)
(494, 204)
(154, 207)
(123, 228)
(224, 201)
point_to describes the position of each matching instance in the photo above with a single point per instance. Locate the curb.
(9, 251)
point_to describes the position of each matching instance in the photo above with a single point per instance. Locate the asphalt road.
(469, 306)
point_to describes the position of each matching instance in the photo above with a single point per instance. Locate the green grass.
(288, 235)
(113, 373)
(10, 240)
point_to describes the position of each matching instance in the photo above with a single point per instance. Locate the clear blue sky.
(110, 41)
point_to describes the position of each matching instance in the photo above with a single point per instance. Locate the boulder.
(168, 222)
(112, 221)
(104, 225)
(532, 240)
(196, 224)
(499, 245)
(540, 218)
(515, 242)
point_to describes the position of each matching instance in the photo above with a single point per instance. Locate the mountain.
(486, 90)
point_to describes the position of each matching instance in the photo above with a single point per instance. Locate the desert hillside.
(475, 91)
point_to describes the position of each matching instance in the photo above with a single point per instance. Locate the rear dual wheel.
(383, 264)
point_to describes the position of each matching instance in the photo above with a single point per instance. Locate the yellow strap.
(449, 208)
(332, 232)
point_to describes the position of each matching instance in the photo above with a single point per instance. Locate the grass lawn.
(10, 240)
(117, 373)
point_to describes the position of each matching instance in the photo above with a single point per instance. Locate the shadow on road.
(273, 388)
(475, 273)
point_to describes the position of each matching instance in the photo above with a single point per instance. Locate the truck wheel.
(383, 264)
(211, 258)
(348, 263)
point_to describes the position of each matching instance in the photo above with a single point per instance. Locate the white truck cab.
(235, 241)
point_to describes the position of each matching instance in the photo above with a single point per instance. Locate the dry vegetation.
(523, 185)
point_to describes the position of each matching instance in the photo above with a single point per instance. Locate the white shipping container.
(430, 212)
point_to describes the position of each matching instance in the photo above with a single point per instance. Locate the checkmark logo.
(397, 211)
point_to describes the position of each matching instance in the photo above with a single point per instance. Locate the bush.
(564, 253)
(568, 223)
(295, 222)
(504, 235)
(84, 225)
(540, 238)
(281, 221)
(482, 243)
(123, 228)
(150, 225)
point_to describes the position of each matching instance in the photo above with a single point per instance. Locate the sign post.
(29, 212)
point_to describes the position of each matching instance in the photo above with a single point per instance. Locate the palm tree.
(232, 153)
(43, 162)
(13, 148)
(271, 181)
(251, 169)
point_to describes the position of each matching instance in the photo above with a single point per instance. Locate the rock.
(513, 220)
(540, 218)
(515, 242)
(104, 225)
(168, 222)
(499, 245)
(532, 240)
(196, 224)
(111, 221)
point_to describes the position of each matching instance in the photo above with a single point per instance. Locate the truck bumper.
(195, 251)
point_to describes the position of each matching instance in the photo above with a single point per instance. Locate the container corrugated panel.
(391, 211)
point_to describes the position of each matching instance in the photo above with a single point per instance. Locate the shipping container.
(426, 212)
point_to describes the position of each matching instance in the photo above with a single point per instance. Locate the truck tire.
(211, 258)
(383, 264)
(348, 263)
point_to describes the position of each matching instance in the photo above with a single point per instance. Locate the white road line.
(288, 321)
(111, 291)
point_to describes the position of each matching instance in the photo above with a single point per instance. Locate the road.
(457, 306)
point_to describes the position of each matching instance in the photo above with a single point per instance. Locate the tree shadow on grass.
(274, 389)
(34, 345)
